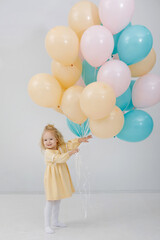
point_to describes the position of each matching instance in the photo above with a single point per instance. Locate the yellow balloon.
(145, 66)
(62, 44)
(45, 90)
(58, 108)
(97, 100)
(83, 15)
(108, 127)
(67, 75)
(70, 104)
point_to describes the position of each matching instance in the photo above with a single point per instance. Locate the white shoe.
(59, 224)
(49, 230)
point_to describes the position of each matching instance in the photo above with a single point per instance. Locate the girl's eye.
(51, 138)
(45, 140)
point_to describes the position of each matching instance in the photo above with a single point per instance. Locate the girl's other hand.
(73, 151)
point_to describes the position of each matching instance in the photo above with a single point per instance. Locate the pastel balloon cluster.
(93, 62)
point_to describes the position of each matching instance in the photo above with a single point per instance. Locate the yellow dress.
(57, 179)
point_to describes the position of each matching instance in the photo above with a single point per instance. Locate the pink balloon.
(97, 45)
(116, 14)
(146, 91)
(80, 82)
(80, 55)
(116, 74)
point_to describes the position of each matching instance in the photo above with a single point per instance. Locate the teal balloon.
(79, 130)
(123, 101)
(132, 84)
(130, 105)
(89, 73)
(116, 38)
(138, 125)
(134, 44)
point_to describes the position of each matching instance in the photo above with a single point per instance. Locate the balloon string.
(83, 129)
(86, 128)
(83, 184)
(77, 129)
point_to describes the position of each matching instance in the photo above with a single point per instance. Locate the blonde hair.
(57, 134)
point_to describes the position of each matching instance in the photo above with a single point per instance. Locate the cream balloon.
(70, 104)
(83, 15)
(145, 66)
(67, 75)
(58, 108)
(45, 90)
(108, 127)
(97, 100)
(62, 44)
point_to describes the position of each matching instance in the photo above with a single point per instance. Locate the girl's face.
(49, 140)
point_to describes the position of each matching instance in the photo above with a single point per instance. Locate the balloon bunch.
(113, 51)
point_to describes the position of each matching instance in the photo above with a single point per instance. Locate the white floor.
(112, 216)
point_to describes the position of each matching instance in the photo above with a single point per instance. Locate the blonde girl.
(57, 179)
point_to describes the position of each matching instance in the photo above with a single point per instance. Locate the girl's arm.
(51, 157)
(63, 157)
(72, 144)
(58, 157)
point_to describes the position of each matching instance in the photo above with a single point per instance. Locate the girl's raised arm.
(72, 144)
(56, 157)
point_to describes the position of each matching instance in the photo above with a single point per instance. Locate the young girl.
(57, 179)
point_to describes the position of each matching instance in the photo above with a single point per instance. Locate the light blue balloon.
(116, 38)
(132, 84)
(89, 73)
(134, 44)
(130, 105)
(79, 130)
(123, 101)
(138, 125)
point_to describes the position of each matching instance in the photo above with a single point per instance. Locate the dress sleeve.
(61, 157)
(56, 157)
(72, 144)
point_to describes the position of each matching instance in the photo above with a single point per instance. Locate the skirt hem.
(51, 199)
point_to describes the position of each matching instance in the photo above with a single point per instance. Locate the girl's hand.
(84, 139)
(73, 151)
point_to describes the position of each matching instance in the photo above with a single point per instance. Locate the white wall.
(113, 164)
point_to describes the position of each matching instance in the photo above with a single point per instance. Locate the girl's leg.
(55, 214)
(47, 216)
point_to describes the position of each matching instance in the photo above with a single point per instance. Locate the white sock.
(55, 214)
(49, 230)
(47, 216)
